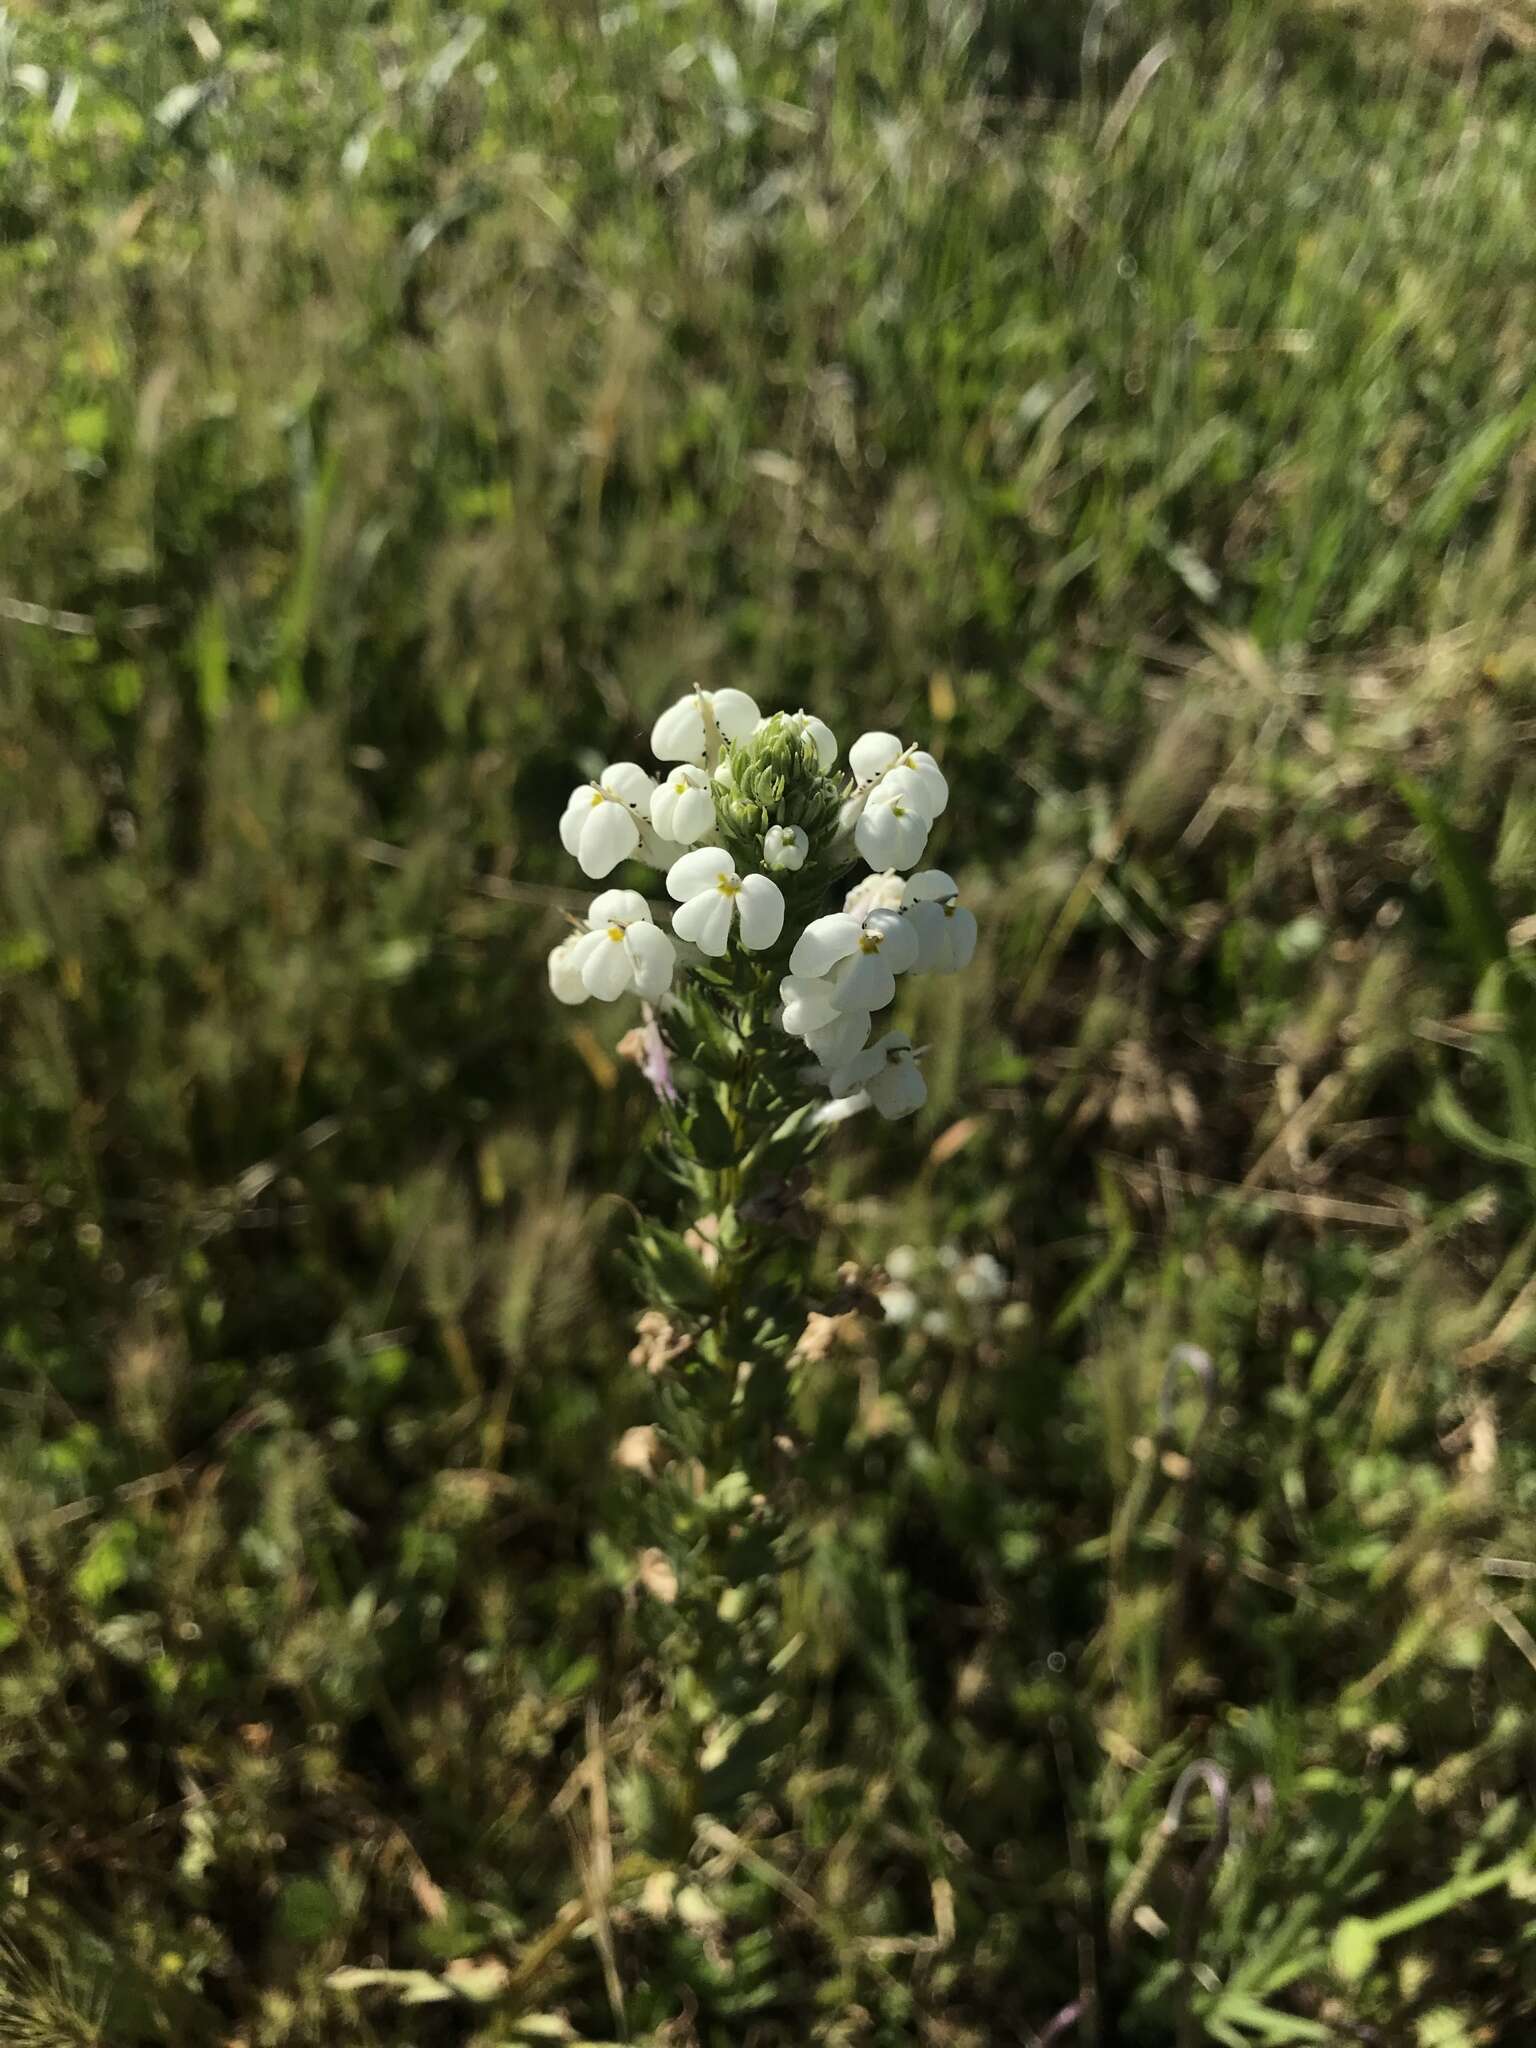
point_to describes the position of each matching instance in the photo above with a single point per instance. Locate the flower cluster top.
(755, 827)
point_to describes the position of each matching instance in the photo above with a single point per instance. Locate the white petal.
(606, 969)
(824, 942)
(656, 851)
(863, 982)
(628, 781)
(808, 1004)
(704, 868)
(876, 892)
(962, 937)
(651, 959)
(930, 928)
(857, 1072)
(850, 810)
(893, 1042)
(574, 816)
(678, 735)
(823, 738)
(905, 786)
(587, 947)
(705, 921)
(760, 907)
(735, 713)
(836, 1043)
(931, 776)
(898, 941)
(608, 836)
(899, 1090)
(565, 979)
(785, 848)
(891, 836)
(694, 815)
(681, 807)
(617, 906)
(872, 753)
(931, 886)
(839, 1112)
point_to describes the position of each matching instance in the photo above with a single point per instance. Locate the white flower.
(892, 828)
(876, 892)
(874, 755)
(982, 1278)
(903, 1262)
(602, 821)
(620, 950)
(811, 1012)
(807, 1003)
(887, 1073)
(682, 808)
(946, 933)
(815, 729)
(711, 893)
(693, 728)
(835, 1043)
(898, 1303)
(565, 979)
(785, 848)
(859, 958)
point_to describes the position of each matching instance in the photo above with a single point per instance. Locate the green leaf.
(106, 1564)
(1470, 903)
(1278, 2028)
(1458, 1124)
(306, 1911)
(210, 661)
(709, 1134)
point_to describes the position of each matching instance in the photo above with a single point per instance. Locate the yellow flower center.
(728, 886)
(871, 942)
(615, 932)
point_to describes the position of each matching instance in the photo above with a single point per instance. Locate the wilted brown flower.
(657, 1343)
(655, 1572)
(636, 1449)
(823, 1334)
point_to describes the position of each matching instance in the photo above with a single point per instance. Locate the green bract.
(774, 778)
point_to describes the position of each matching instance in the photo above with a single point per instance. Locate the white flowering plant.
(762, 998)
(763, 975)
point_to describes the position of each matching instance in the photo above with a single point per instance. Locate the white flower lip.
(683, 731)
(620, 951)
(944, 929)
(602, 821)
(808, 1004)
(834, 1043)
(712, 896)
(859, 958)
(887, 1073)
(874, 755)
(682, 805)
(565, 982)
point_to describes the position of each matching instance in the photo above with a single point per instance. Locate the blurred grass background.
(400, 405)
